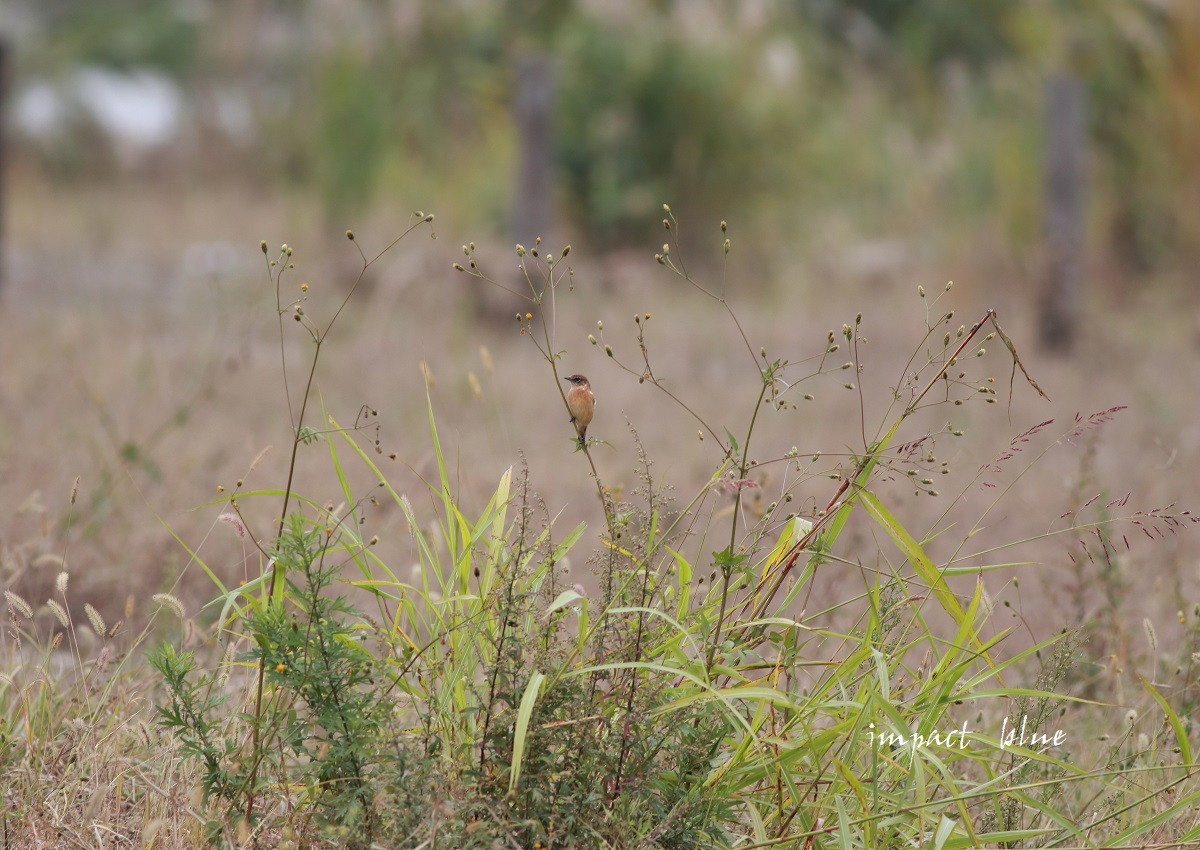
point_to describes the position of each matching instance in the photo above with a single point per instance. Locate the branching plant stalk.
(681, 270)
(539, 290)
(297, 421)
(639, 637)
(549, 354)
(727, 566)
(509, 604)
(836, 512)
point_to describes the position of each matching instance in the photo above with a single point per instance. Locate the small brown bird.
(581, 401)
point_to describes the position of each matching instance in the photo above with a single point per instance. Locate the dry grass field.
(142, 376)
(142, 358)
(298, 547)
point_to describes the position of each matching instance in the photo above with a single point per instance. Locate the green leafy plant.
(687, 696)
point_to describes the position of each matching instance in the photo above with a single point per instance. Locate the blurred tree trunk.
(533, 198)
(533, 112)
(1062, 225)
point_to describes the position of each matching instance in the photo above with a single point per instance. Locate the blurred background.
(1043, 154)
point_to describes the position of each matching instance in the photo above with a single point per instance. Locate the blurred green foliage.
(1129, 77)
(921, 34)
(356, 131)
(865, 108)
(406, 103)
(121, 34)
(646, 117)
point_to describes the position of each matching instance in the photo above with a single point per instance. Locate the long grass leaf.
(1181, 735)
(521, 730)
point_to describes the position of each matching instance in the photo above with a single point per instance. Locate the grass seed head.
(18, 604)
(168, 601)
(95, 619)
(59, 613)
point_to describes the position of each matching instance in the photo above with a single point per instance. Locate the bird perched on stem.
(581, 401)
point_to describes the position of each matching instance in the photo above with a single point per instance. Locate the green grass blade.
(521, 730)
(1181, 735)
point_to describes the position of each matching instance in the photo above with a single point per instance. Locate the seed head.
(96, 620)
(1151, 635)
(18, 604)
(59, 613)
(172, 602)
(233, 521)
